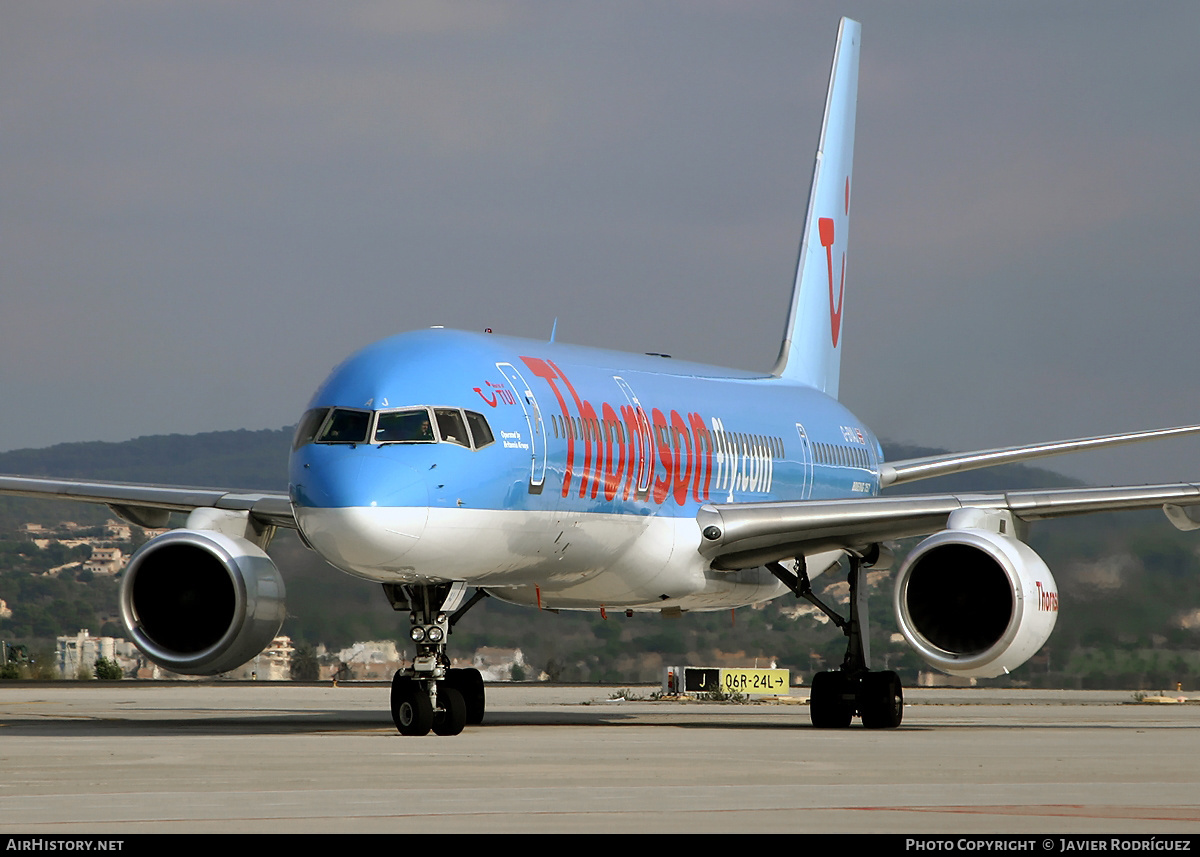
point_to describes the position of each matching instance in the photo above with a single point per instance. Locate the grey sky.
(205, 206)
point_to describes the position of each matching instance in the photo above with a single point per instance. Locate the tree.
(107, 670)
(305, 666)
(42, 665)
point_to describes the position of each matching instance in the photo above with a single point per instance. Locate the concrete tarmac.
(82, 757)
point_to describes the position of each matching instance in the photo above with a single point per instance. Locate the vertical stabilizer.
(812, 342)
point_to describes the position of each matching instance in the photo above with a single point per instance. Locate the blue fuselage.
(438, 426)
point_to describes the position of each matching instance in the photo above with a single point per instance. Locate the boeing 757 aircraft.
(448, 466)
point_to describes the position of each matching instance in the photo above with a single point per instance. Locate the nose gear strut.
(430, 695)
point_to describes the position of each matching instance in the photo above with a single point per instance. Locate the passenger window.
(346, 426)
(481, 432)
(411, 426)
(451, 426)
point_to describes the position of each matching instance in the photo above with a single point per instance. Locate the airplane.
(451, 466)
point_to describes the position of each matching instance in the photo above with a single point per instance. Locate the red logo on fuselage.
(499, 393)
(651, 457)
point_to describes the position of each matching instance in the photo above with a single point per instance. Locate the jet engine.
(975, 601)
(201, 602)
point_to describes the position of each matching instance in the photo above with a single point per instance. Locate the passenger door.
(533, 419)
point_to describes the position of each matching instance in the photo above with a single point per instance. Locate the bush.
(107, 670)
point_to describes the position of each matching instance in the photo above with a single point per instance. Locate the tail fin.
(812, 343)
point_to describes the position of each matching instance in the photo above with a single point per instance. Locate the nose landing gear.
(429, 695)
(421, 705)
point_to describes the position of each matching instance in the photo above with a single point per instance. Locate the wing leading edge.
(751, 534)
(149, 505)
(912, 469)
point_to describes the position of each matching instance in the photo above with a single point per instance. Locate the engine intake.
(201, 602)
(973, 602)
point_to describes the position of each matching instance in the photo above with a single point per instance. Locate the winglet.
(812, 343)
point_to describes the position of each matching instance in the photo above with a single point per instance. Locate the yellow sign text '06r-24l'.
(754, 681)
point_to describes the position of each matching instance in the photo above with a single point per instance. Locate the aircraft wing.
(744, 535)
(912, 469)
(150, 505)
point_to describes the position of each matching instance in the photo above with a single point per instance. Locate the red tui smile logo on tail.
(825, 227)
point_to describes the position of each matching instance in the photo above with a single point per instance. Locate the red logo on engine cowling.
(1047, 598)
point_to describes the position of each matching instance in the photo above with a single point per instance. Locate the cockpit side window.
(309, 425)
(451, 426)
(410, 426)
(481, 432)
(345, 426)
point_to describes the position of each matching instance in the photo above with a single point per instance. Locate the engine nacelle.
(201, 602)
(974, 602)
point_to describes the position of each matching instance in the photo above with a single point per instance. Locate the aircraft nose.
(362, 512)
(348, 476)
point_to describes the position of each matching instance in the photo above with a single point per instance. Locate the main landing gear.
(837, 695)
(429, 695)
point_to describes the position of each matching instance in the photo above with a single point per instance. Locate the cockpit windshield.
(406, 425)
(345, 426)
(309, 425)
(481, 432)
(411, 426)
(451, 426)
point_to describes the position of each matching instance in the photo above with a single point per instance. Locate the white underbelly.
(560, 561)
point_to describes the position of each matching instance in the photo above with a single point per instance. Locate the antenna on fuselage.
(554, 329)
